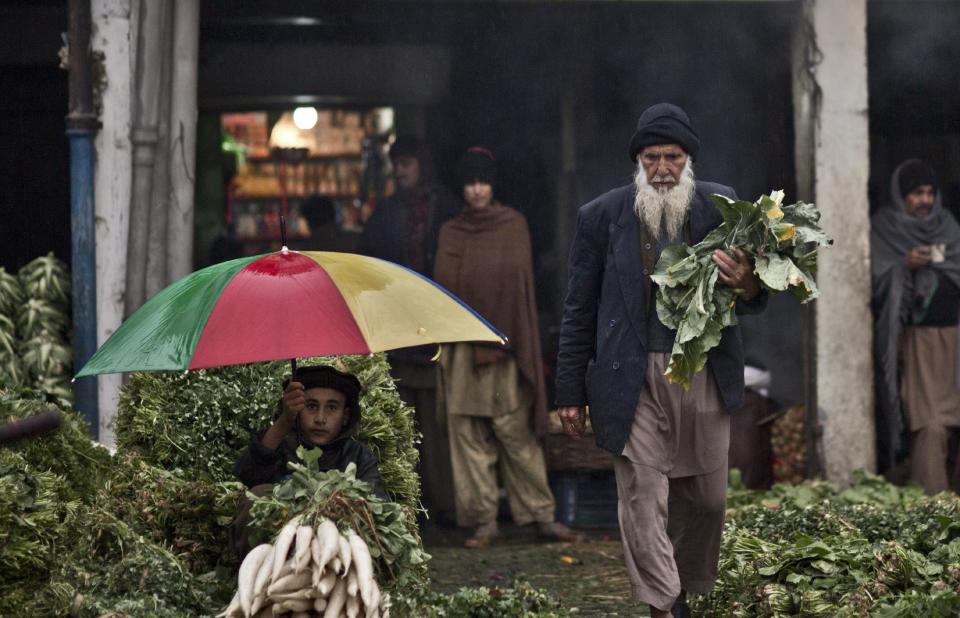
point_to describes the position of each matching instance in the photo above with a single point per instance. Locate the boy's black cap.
(323, 376)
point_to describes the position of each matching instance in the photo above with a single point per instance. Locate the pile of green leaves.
(783, 242)
(106, 566)
(11, 299)
(43, 325)
(519, 601)
(30, 520)
(199, 422)
(813, 550)
(67, 453)
(189, 516)
(388, 528)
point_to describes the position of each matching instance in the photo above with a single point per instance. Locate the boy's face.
(324, 416)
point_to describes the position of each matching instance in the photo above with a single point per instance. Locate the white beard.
(664, 209)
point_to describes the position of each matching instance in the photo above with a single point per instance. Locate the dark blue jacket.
(602, 357)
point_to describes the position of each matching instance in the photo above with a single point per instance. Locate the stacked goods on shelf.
(789, 444)
(11, 300)
(43, 326)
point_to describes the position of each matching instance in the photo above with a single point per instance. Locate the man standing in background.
(403, 229)
(915, 246)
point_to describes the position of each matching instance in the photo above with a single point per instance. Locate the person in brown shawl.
(915, 246)
(494, 398)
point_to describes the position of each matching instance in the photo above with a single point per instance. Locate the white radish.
(344, 553)
(319, 604)
(301, 556)
(315, 553)
(260, 583)
(248, 574)
(300, 615)
(327, 583)
(294, 595)
(352, 585)
(266, 612)
(286, 537)
(293, 581)
(337, 600)
(374, 599)
(364, 566)
(296, 605)
(353, 606)
(335, 565)
(232, 608)
(258, 601)
(329, 541)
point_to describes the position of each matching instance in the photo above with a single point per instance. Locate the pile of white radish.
(308, 572)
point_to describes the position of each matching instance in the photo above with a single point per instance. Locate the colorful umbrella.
(283, 305)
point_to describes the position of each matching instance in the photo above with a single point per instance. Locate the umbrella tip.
(284, 250)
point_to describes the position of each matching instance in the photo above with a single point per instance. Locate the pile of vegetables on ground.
(145, 531)
(813, 550)
(789, 445)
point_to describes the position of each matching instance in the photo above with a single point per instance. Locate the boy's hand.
(293, 402)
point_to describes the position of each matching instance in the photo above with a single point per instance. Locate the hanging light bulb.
(305, 118)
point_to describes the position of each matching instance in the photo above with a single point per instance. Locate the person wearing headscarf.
(403, 229)
(670, 445)
(915, 247)
(493, 396)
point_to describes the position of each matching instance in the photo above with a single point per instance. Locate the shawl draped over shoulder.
(484, 258)
(901, 296)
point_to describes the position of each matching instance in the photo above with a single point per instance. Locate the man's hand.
(293, 402)
(918, 257)
(737, 273)
(573, 419)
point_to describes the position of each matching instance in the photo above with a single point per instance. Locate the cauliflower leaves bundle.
(783, 241)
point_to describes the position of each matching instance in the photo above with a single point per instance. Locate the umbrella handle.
(293, 368)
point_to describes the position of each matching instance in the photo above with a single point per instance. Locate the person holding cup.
(915, 246)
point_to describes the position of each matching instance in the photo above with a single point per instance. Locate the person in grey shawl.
(915, 245)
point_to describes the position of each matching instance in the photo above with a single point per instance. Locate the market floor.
(589, 578)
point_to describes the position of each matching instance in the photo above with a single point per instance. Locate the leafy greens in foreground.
(783, 241)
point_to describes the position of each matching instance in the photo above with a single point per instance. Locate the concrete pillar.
(844, 363)
(183, 138)
(112, 35)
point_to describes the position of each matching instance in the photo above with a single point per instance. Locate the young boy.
(319, 409)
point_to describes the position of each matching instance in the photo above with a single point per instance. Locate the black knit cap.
(322, 376)
(477, 163)
(664, 123)
(915, 173)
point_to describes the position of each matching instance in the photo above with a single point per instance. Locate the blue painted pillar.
(83, 270)
(82, 126)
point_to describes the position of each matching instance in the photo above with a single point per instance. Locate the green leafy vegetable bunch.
(782, 241)
(815, 550)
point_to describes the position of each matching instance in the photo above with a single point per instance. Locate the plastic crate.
(585, 498)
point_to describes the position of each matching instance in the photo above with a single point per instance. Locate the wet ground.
(589, 578)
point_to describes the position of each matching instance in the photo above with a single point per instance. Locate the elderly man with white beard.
(670, 444)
